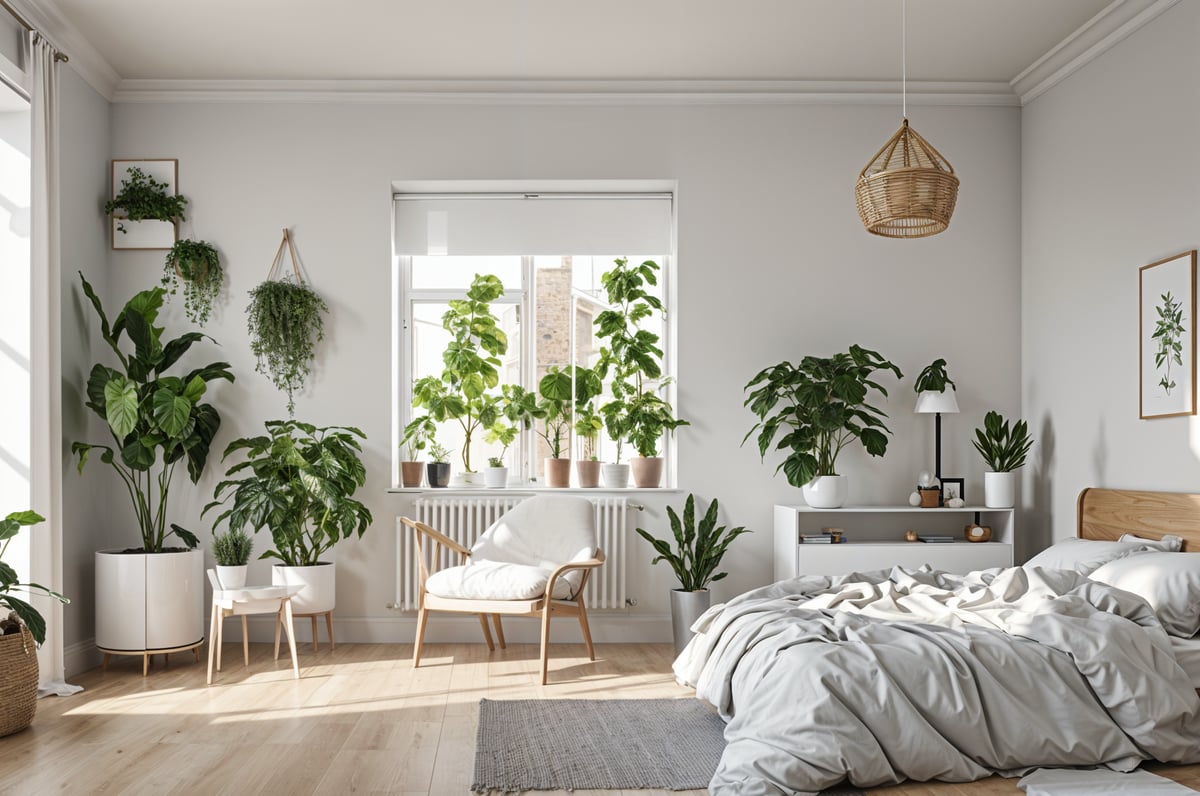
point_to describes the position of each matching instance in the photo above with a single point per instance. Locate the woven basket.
(908, 189)
(18, 681)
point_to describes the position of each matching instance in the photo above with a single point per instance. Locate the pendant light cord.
(904, 58)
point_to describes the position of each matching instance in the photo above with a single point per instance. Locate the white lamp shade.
(931, 401)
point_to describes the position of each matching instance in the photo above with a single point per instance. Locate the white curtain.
(46, 542)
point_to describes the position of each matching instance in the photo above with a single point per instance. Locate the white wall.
(1109, 174)
(773, 264)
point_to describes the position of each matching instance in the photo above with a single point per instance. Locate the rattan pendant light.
(907, 190)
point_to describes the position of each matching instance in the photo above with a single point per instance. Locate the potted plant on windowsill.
(298, 481)
(1004, 449)
(816, 409)
(588, 426)
(196, 266)
(694, 557)
(231, 551)
(417, 435)
(157, 422)
(437, 469)
(496, 474)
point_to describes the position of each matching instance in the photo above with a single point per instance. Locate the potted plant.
(231, 551)
(588, 425)
(285, 324)
(636, 414)
(22, 628)
(816, 409)
(157, 422)
(1004, 449)
(933, 378)
(466, 390)
(298, 481)
(694, 557)
(143, 198)
(558, 391)
(417, 435)
(195, 264)
(496, 474)
(437, 470)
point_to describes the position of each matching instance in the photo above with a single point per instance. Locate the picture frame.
(150, 233)
(953, 488)
(1167, 337)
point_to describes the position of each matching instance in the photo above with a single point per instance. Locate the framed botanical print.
(1167, 337)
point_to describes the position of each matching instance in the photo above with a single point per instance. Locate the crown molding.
(86, 60)
(1119, 20)
(566, 92)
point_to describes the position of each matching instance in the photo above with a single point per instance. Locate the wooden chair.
(524, 544)
(243, 602)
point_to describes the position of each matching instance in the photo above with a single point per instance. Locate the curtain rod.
(59, 55)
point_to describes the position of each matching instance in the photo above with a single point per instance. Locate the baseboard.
(80, 656)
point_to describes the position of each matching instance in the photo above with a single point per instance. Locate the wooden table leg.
(245, 642)
(145, 664)
(314, 631)
(329, 629)
(212, 639)
(104, 666)
(291, 635)
(278, 624)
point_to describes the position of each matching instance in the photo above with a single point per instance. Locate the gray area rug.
(597, 744)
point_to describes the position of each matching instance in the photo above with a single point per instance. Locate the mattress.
(1187, 652)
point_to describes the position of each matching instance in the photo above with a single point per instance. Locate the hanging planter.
(285, 325)
(195, 266)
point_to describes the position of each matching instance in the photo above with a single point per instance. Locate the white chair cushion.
(495, 580)
(544, 532)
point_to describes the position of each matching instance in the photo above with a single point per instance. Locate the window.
(546, 311)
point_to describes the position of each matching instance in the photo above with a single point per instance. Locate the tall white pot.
(149, 601)
(320, 587)
(826, 491)
(999, 490)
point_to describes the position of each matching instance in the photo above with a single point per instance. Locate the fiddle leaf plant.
(1002, 447)
(10, 526)
(815, 409)
(697, 551)
(196, 266)
(144, 198)
(156, 420)
(285, 325)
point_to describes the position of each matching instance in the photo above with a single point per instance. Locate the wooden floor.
(360, 720)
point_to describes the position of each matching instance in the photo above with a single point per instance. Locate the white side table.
(243, 602)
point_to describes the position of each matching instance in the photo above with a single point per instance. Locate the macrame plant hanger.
(277, 261)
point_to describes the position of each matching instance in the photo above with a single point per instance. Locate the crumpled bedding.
(884, 676)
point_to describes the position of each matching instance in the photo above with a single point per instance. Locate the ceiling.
(543, 40)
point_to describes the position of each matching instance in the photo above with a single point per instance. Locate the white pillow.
(1170, 582)
(1168, 544)
(1083, 555)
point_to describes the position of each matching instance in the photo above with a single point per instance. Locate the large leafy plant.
(10, 526)
(196, 266)
(466, 391)
(285, 325)
(697, 551)
(298, 481)
(815, 409)
(559, 391)
(1002, 447)
(636, 414)
(156, 420)
(142, 197)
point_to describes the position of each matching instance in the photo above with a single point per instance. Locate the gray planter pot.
(686, 607)
(438, 474)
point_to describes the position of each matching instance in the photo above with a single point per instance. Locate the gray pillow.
(1084, 555)
(1170, 582)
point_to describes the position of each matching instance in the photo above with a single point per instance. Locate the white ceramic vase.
(495, 477)
(232, 577)
(320, 586)
(149, 601)
(615, 476)
(999, 490)
(826, 491)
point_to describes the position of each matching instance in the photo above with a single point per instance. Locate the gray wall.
(1109, 174)
(772, 264)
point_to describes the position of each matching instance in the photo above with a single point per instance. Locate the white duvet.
(881, 677)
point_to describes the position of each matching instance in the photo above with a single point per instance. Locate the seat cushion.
(495, 580)
(543, 532)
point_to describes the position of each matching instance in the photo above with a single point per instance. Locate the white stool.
(243, 602)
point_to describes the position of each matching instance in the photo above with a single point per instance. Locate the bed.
(878, 677)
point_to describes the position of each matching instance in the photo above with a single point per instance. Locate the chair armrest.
(590, 564)
(437, 536)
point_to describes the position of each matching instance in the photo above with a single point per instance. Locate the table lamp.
(937, 404)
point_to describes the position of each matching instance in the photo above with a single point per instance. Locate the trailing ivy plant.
(144, 198)
(636, 414)
(285, 324)
(933, 378)
(195, 264)
(697, 551)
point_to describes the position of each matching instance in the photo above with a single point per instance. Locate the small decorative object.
(437, 471)
(978, 533)
(231, 551)
(953, 489)
(1004, 450)
(929, 491)
(914, 499)
(955, 503)
(145, 207)
(285, 325)
(1167, 344)
(835, 534)
(912, 536)
(197, 265)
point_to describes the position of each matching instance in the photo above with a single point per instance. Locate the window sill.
(521, 490)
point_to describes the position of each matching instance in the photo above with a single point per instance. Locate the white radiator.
(464, 519)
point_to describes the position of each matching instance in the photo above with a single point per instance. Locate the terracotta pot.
(411, 473)
(647, 471)
(588, 472)
(558, 472)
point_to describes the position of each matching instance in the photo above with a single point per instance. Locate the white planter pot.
(615, 476)
(999, 490)
(826, 491)
(466, 480)
(149, 601)
(319, 593)
(232, 577)
(495, 477)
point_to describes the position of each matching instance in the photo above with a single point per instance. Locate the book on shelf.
(936, 539)
(824, 538)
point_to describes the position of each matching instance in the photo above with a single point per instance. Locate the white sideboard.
(875, 539)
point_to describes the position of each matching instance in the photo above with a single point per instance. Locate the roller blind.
(531, 224)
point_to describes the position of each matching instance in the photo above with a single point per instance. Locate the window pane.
(456, 273)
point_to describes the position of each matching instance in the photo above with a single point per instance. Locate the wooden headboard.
(1107, 513)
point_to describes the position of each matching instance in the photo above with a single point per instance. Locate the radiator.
(464, 519)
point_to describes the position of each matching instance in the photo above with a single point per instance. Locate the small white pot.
(466, 480)
(999, 490)
(495, 477)
(232, 577)
(826, 491)
(320, 587)
(615, 476)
